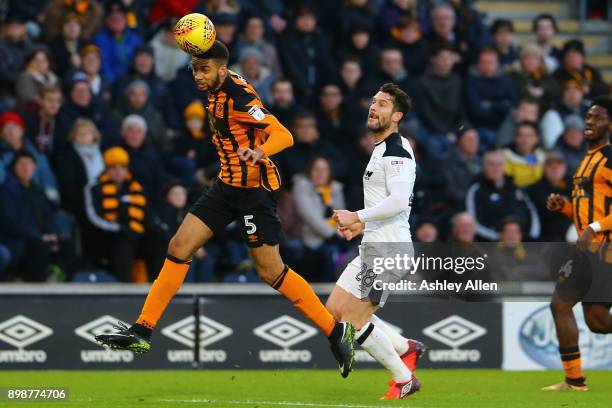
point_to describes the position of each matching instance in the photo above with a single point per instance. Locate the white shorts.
(359, 284)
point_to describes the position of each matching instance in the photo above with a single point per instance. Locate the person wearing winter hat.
(574, 67)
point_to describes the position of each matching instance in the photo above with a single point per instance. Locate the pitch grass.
(302, 388)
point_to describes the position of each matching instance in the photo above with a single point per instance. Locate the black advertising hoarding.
(236, 331)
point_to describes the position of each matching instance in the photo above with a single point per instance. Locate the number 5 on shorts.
(251, 227)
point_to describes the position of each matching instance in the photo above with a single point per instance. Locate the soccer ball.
(194, 33)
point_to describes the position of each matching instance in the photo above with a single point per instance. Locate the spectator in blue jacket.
(490, 95)
(26, 219)
(12, 140)
(116, 41)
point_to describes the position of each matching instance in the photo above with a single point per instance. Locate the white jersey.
(388, 182)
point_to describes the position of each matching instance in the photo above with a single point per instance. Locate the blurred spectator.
(490, 95)
(572, 102)
(526, 111)
(306, 55)
(523, 160)
(361, 46)
(439, 106)
(461, 166)
(251, 66)
(82, 104)
(545, 29)
(470, 24)
(407, 37)
(79, 166)
(12, 141)
(556, 180)
(168, 57)
(137, 100)
(162, 10)
(356, 13)
(226, 26)
(145, 163)
(572, 144)
(65, 48)
(463, 228)
(116, 206)
(502, 31)
(335, 121)
(283, 104)
(222, 6)
(493, 197)
(391, 11)
(116, 41)
(428, 192)
(426, 231)
(317, 195)
(353, 86)
(574, 67)
(14, 47)
(35, 76)
(27, 220)
(136, 13)
(392, 69)
(143, 68)
(443, 31)
(176, 102)
(254, 37)
(309, 144)
(532, 79)
(192, 149)
(41, 124)
(511, 260)
(91, 65)
(90, 13)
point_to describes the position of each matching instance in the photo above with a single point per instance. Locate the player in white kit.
(388, 182)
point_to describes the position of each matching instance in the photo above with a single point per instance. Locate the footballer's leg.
(567, 334)
(274, 272)
(191, 235)
(598, 317)
(207, 217)
(409, 350)
(346, 306)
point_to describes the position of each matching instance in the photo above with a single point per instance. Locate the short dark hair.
(500, 23)
(441, 47)
(401, 100)
(541, 17)
(530, 124)
(21, 154)
(218, 51)
(507, 221)
(605, 102)
(280, 80)
(301, 115)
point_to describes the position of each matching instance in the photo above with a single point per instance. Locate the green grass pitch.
(305, 388)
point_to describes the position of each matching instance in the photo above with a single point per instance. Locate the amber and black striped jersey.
(592, 193)
(237, 117)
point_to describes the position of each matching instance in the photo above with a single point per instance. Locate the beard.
(379, 126)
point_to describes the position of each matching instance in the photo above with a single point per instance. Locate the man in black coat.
(494, 197)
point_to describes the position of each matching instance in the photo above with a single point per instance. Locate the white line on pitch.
(277, 403)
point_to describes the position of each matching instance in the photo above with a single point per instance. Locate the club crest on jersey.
(256, 112)
(219, 110)
(397, 165)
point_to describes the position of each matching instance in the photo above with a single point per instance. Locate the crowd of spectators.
(102, 141)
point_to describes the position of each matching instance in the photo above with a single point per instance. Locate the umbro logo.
(21, 331)
(454, 331)
(285, 331)
(184, 332)
(102, 325)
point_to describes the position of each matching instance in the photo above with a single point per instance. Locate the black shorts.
(253, 208)
(584, 277)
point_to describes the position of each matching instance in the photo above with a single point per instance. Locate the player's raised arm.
(557, 203)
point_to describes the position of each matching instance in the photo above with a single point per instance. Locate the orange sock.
(164, 288)
(572, 364)
(300, 293)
